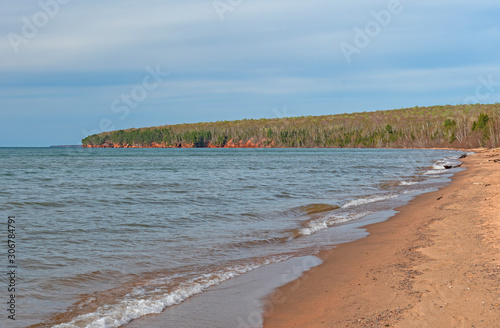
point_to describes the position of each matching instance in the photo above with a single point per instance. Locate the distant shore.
(434, 264)
(458, 126)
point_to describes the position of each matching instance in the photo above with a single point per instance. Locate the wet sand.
(434, 264)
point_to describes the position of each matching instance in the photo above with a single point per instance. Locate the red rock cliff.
(264, 143)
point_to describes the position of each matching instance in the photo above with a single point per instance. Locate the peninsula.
(450, 126)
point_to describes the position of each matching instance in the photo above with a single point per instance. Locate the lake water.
(105, 236)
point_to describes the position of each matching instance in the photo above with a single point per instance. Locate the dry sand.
(435, 264)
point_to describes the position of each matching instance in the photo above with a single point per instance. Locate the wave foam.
(363, 201)
(325, 223)
(113, 316)
(313, 227)
(408, 183)
(441, 165)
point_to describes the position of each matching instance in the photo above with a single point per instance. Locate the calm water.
(108, 235)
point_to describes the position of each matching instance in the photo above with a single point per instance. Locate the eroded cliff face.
(264, 143)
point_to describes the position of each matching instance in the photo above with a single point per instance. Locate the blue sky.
(71, 67)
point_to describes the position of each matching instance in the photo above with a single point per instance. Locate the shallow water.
(108, 235)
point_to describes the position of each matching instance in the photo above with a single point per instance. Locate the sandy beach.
(434, 264)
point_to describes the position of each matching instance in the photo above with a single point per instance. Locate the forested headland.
(450, 126)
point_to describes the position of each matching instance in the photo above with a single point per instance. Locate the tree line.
(459, 126)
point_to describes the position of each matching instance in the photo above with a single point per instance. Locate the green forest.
(450, 126)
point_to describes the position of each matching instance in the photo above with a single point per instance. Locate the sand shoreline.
(434, 264)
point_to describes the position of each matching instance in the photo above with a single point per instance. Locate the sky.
(70, 68)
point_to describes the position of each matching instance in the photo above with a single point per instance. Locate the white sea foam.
(324, 223)
(116, 315)
(408, 183)
(362, 201)
(313, 227)
(433, 172)
(437, 168)
(440, 165)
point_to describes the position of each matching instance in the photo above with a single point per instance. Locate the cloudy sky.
(70, 68)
